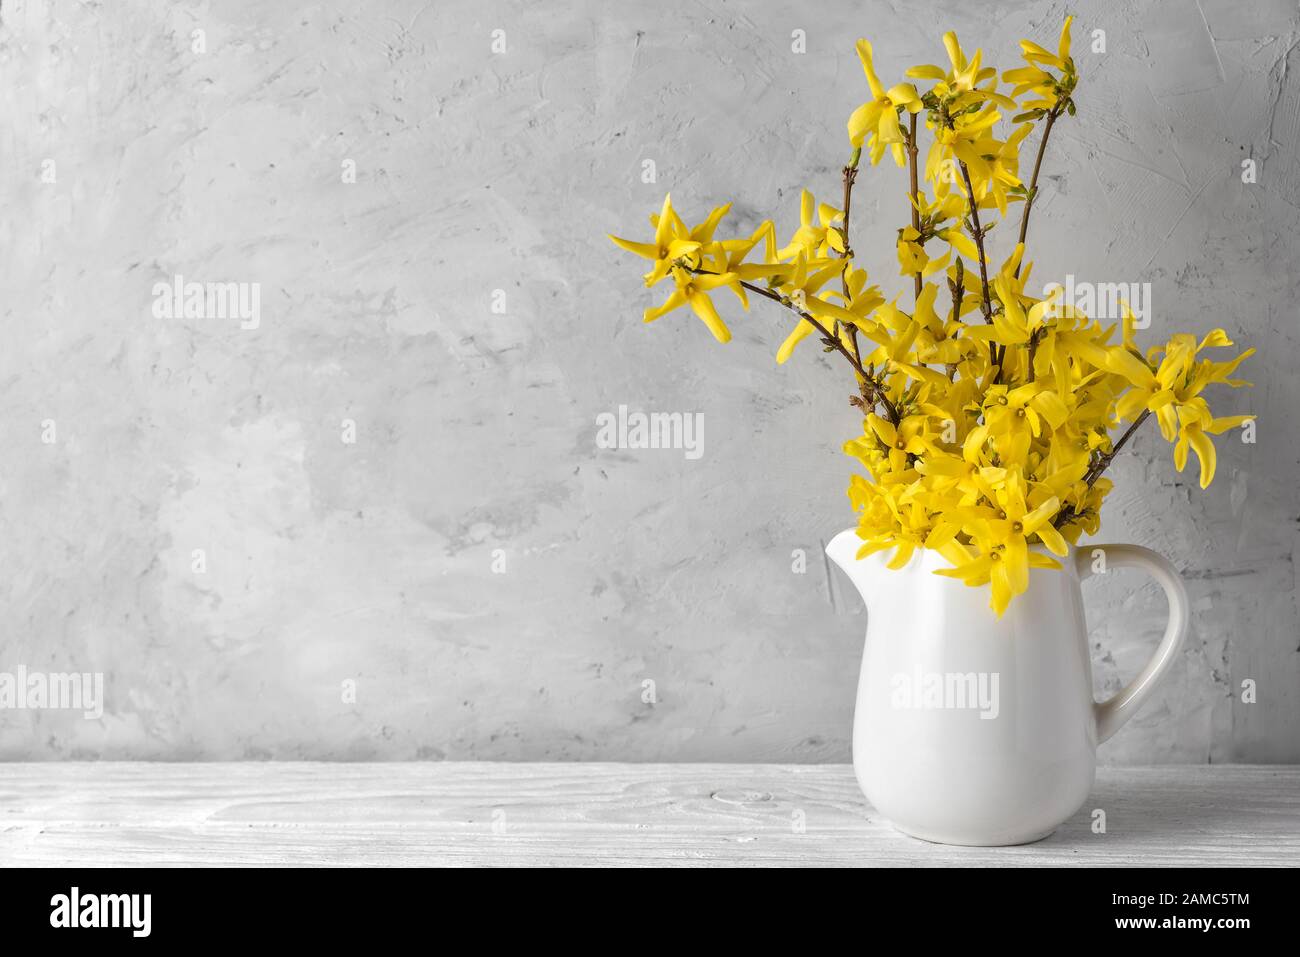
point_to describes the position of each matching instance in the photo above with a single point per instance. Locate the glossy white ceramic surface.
(970, 729)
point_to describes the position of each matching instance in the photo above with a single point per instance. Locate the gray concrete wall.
(325, 562)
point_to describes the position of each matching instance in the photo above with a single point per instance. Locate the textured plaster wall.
(475, 430)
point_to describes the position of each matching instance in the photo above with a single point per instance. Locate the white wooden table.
(608, 814)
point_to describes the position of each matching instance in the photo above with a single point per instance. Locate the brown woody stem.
(1065, 516)
(874, 388)
(915, 192)
(1033, 181)
(850, 176)
(977, 233)
(1104, 461)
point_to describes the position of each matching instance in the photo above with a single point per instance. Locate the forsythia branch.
(967, 451)
(914, 193)
(1068, 514)
(850, 177)
(877, 388)
(1033, 181)
(977, 233)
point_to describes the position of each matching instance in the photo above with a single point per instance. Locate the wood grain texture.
(579, 814)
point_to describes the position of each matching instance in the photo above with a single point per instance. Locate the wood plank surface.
(581, 814)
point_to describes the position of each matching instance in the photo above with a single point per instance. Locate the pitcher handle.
(1114, 711)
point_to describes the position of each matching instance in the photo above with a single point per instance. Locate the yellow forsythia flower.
(988, 413)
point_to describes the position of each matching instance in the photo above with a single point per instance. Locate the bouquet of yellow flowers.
(989, 413)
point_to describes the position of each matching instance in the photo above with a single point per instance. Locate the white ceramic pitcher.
(971, 729)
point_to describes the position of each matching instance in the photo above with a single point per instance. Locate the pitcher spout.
(843, 550)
